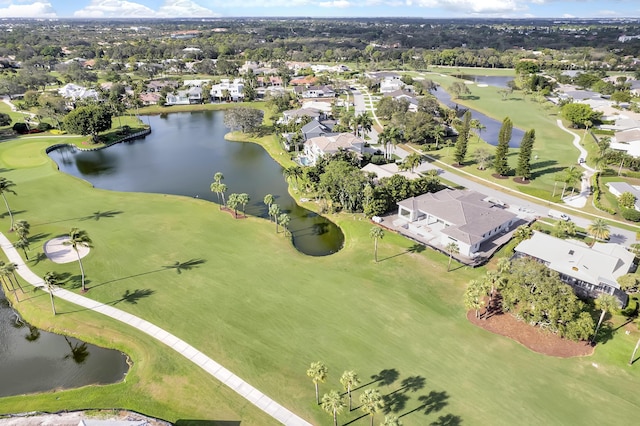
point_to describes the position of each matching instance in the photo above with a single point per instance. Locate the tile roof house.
(185, 97)
(619, 188)
(463, 217)
(628, 141)
(297, 114)
(315, 92)
(318, 147)
(589, 270)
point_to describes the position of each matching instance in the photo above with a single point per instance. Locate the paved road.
(519, 202)
(248, 392)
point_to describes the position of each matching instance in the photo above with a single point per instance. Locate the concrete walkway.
(248, 392)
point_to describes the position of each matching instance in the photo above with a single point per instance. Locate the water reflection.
(181, 156)
(32, 360)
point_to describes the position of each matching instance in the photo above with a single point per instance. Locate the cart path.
(248, 392)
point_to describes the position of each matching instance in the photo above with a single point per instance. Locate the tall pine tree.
(500, 161)
(524, 159)
(462, 142)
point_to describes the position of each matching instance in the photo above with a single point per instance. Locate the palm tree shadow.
(129, 276)
(100, 215)
(447, 420)
(433, 402)
(185, 266)
(386, 377)
(39, 257)
(134, 296)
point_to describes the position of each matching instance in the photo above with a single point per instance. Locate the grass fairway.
(260, 308)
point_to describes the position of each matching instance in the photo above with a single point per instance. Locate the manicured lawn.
(260, 308)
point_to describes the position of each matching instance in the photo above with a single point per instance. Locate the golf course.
(241, 293)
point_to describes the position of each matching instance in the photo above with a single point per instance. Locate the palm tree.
(215, 187)
(599, 229)
(572, 176)
(22, 228)
(5, 276)
(244, 200)
(376, 233)
(472, 297)
(372, 402)
(51, 281)
(222, 188)
(364, 122)
(606, 303)
(23, 244)
(233, 202)
(268, 200)
(522, 232)
(391, 421)
(451, 248)
(318, 373)
(349, 380)
(284, 220)
(274, 211)
(438, 134)
(5, 188)
(478, 126)
(79, 238)
(10, 269)
(413, 160)
(333, 404)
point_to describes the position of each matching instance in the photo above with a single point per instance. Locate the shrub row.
(596, 195)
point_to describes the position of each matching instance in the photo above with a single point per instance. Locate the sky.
(320, 8)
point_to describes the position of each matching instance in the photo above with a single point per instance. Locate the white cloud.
(338, 4)
(128, 9)
(248, 4)
(471, 6)
(184, 8)
(114, 9)
(33, 10)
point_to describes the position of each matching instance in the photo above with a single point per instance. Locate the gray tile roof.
(602, 263)
(469, 216)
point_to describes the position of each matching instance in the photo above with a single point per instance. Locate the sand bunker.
(57, 252)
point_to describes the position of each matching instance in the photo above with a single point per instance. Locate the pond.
(492, 126)
(181, 156)
(491, 80)
(32, 360)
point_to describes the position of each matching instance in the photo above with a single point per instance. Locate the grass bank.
(248, 299)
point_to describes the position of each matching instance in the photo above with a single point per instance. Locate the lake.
(181, 156)
(32, 360)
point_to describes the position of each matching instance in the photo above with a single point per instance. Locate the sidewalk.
(248, 392)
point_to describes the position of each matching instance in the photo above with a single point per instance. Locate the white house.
(589, 270)
(619, 188)
(297, 114)
(228, 90)
(464, 217)
(75, 92)
(627, 141)
(318, 147)
(185, 97)
(315, 92)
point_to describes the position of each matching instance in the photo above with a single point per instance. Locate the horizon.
(320, 9)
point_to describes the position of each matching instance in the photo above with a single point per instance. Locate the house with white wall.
(464, 217)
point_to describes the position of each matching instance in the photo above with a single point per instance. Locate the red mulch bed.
(521, 181)
(531, 337)
(235, 215)
(497, 176)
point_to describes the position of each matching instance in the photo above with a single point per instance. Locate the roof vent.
(571, 252)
